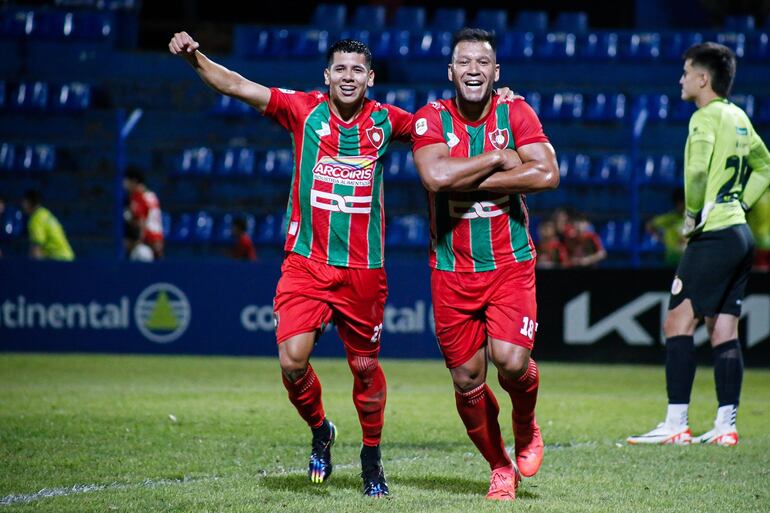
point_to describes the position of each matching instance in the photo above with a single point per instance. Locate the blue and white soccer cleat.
(375, 484)
(320, 466)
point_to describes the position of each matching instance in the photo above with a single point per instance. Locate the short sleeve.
(426, 127)
(401, 121)
(525, 125)
(287, 106)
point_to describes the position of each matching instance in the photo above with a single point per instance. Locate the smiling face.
(474, 70)
(693, 80)
(348, 78)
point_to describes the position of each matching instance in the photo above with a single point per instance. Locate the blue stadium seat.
(223, 232)
(269, 230)
(204, 227)
(437, 94)
(2, 94)
(575, 22)
(605, 107)
(165, 219)
(448, 19)
(733, 40)
(681, 111)
(250, 41)
(432, 45)
(758, 47)
(409, 18)
(329, 16)
(745, 102)
(196, 161)
(369, 17)
(7, 157)
(309, 43)
(390, 44)
(277, 164)
(764, 111)
(661, 169)
(16, 23)
(613, 169)
(657, 106)
(574, 168)
(492, 19)
(562, 106)
(182, 228)
(29, 96)
(90, 26)
(401, 97)
(743, 24)
(556, 46)
(598, 46)
(12, 223)
(409, 171)
(616, 235)
(236, 161)
(676, 43)
(72, 97)
(228, 106)
(43, 157)
(533, 99)
(400, 167)
(407, 231)
(516, 46)
(651, 244)
(531, 21)
(362, 35)
(640, 46)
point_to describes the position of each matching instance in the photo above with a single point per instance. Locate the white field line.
(47, 493)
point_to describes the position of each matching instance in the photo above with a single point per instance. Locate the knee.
(467, 381)
(514, 367)
(292, 367)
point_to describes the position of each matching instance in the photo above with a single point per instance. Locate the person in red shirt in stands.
(144, 210)
(243, 247)
(584, 246)
(551, 252)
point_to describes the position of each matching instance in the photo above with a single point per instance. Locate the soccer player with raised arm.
(333, 268)
(478, 155)
(726, 169)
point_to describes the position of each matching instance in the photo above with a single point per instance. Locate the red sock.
(369, 394)
(523, 392)
(478, 409)
(305, 395)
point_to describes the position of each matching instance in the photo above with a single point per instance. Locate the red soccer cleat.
(529, 449)
(503, 484)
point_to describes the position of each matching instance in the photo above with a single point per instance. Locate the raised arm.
(440, 172)
(218, 77)
(537, 171)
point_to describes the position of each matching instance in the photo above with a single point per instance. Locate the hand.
(506, 95)
(182, 44)
(510, 159)
(690, 223)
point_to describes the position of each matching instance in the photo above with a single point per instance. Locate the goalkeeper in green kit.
(727, 168)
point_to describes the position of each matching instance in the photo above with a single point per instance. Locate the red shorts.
(310, 294)
(468, 307)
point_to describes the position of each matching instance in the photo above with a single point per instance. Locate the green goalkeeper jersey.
(726, 165)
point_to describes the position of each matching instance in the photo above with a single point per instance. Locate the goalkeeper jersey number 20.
(335, 213)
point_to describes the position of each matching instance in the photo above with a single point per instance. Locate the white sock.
(726, 416)
(676, 416)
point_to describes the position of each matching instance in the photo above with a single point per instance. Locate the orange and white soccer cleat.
(529, 449)
(726, 436)
(503, 484)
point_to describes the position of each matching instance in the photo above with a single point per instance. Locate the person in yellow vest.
(46, 235)
(759, 222)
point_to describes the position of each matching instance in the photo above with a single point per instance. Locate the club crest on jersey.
(499, 138)
(376, 136)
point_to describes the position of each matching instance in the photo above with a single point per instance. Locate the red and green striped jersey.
(477, 230)
(335, 213)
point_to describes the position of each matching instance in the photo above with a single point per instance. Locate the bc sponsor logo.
(162, 313)
(479, 209)
(338, 203)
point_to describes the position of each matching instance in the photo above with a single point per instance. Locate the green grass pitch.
(195, 434)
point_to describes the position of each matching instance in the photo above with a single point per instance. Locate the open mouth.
(348, 90)
(474, 85)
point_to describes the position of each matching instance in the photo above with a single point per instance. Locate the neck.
(473, 111)
(346, 112)
(705, 98)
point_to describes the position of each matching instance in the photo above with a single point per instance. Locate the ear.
(497, 72)
(449, 73)
(326, 76)
(370, 81)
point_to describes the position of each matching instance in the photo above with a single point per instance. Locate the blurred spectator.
(667, 228)
(144, 210)
(551, 252)
(584, 246)
(759, 222)
(562, 219)
(136, 250)
(243, 247)
(46, 235)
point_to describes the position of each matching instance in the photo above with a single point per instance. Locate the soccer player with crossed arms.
(477, 155)
(333, 268)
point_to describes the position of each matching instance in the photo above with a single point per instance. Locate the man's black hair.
(718, 60)
(349, 46)
(135, 174)
(32, 197)
(239, 223)
(476, 35)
